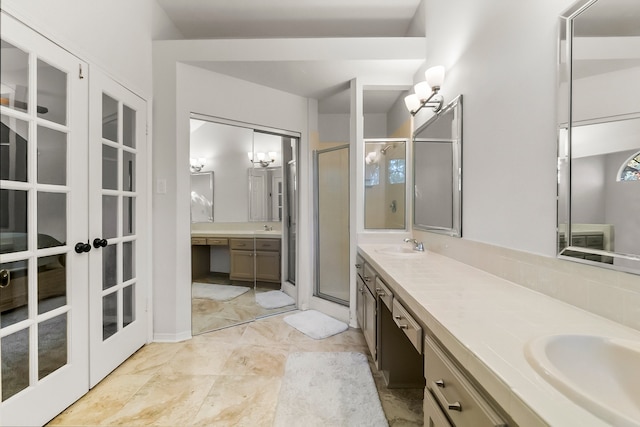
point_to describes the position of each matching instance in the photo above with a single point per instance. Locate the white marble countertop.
(272, 234)
(485, 322)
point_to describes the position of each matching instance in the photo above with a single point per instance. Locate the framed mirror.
(385, 184)
(599, 134)
(202, 197)
(437, 172)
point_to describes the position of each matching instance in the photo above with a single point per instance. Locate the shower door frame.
(316, 219)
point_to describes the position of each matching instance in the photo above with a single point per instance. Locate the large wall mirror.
(437, 166)
(385, 184)
(599, 134)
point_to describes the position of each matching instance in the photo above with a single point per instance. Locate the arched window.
(630, 171)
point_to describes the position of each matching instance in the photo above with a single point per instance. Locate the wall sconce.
(197, 164)
(262, 158)
(426, 92)
(371, 158)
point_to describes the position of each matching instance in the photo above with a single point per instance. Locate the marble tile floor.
(229, 377)
(208, 315)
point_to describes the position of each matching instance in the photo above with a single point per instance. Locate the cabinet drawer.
(369, 277)
(407, 323)
(433, 415)
(241, 244)
(385, 294)
(454, 393)
(217, 241)
(198, 240)
(268, 244)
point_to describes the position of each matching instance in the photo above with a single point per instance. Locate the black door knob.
(82, 247)
(99, 243)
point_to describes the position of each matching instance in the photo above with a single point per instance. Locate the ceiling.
(326, 81)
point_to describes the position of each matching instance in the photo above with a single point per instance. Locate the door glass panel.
(128, 261)
(52, 156)
(129, 127)
(15, 363)
(109, 168)
(52, 282)
(128, 305)
(52, 345)
(15, 295)
(128, 171)
(109, 217)
(109, 266)
(13, 220)
(128, 215)
(52, 219)
(109, 118)
(14, 135)
(52, 93)
(14, 74)
(109, 315)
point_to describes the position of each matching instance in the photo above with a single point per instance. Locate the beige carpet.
(328, 389)
(217, 292)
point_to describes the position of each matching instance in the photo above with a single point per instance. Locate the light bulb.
(412, 102)
(435, 76)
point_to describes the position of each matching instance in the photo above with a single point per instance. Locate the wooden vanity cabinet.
(449, 391)
(257, 259)
(366, 306)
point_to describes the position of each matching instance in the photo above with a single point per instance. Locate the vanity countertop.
(485, 322)
(271, 234)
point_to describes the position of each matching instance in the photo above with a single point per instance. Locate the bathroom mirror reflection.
(437, 176)
(385, 183)
(242, 262)
(202, 197)
(599, 142)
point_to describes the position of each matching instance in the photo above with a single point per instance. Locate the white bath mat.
(315, 324)
(217, 292)
(328, 389)
(273, 299)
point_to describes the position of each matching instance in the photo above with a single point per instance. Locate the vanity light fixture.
(197, 164)
(262, 159)
(426, 92)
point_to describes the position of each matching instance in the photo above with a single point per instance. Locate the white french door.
(73, 240)
(43, 227)
(117, 207)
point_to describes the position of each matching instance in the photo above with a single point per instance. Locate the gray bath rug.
(217, 292)
(315, 324)
(328, 389)
(274, 299)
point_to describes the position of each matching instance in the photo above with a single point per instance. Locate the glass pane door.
(43, 214)
(118, 299)
(332, 224)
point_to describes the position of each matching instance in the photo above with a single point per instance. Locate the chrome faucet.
(419, 246)
(267, 228)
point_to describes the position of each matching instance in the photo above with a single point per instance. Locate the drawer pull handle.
(404, 326)
(380, 292)
(358, 265)
(397, 317)
(367, 278)
(455, 406)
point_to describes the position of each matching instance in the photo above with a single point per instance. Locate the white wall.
(112, 34)
(179, 90)
(502, 57)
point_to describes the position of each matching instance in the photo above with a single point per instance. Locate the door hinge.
(80, 75)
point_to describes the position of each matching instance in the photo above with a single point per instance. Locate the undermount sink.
(398, 250)
(598, 373)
